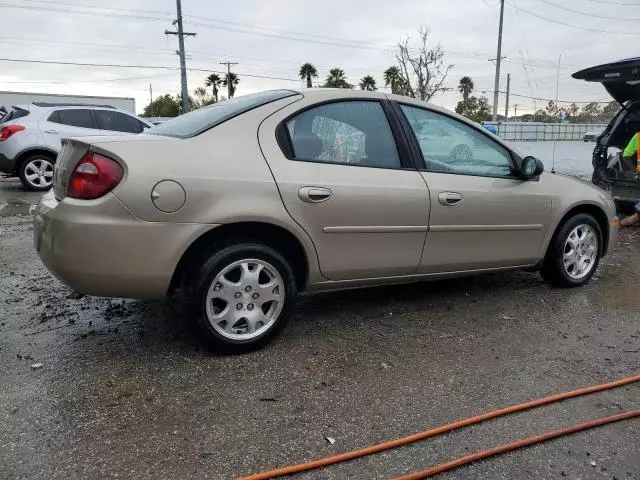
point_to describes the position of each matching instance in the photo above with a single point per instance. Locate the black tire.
(553, 269)
(22, 171)
(206, 273)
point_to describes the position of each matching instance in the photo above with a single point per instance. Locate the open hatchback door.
(622, 80)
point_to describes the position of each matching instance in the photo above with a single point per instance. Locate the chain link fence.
(541, 132)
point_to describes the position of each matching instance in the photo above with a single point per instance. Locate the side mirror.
(531, 167)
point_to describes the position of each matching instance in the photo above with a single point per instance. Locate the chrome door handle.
(314, 194)
(450, 199)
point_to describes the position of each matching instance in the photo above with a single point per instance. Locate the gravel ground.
(126, 389)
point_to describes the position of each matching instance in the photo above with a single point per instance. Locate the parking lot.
(127, 390)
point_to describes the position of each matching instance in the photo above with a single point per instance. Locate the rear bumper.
(98, 247)
(7, 165)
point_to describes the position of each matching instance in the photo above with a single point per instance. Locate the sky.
(270, 39)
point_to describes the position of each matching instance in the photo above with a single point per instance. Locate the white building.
(8, 99)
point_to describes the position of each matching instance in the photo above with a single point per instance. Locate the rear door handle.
(51, 131)
(450, 199)
(314, 194)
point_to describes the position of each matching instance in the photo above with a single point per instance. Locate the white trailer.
(8, 99)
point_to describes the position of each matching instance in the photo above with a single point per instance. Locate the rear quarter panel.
(222, 171)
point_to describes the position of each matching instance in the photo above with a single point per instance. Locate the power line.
(107, 80)
(622, 4)
(533, 14)
(587, 14)
(162, 67)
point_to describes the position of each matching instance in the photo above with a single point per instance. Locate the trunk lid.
(621, 79)
(74, 148)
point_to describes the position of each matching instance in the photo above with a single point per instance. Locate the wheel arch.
(22, 156)
(591, 209)
(278, 237)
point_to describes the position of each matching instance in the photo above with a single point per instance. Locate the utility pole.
(228, 64)
(506, 108)
(151, 98)
(515, 110)
(498, 59)
(184, 91)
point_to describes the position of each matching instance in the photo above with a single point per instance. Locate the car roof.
(620, 78)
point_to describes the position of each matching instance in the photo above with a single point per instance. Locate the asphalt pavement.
(126, 390)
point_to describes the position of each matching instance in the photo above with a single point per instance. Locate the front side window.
(117, 121)
(74, 118)
(349, 132)
(450, 146)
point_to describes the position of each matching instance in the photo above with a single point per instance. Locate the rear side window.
(198, 121)
(348, 132)
(117, 122)
(14, 114)
(75, 118)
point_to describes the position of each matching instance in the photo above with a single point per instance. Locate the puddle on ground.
(14, 207)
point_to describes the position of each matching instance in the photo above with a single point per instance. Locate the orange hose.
(508, 447)
(343, 457)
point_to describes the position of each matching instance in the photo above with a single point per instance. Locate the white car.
(31, 135)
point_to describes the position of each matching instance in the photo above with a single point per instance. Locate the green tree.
(475, 108)
(552, 110)
(307, 72)
(590, 112)
(163, 106)
(572, 111)
(214, 81)
(337, 79)
(368, 83)
(465, 87)
(393, 78)
(609, 111)
(201, 98)
(231, 81)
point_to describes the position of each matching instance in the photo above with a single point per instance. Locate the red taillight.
(9, 130)
(94, 176)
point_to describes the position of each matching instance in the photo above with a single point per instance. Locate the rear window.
(13, 114)
(198, 121)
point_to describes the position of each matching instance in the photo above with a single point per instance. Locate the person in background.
(631, 157)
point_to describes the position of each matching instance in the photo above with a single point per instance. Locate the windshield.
(198, 121)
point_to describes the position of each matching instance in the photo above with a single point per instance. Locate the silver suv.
(31, 136)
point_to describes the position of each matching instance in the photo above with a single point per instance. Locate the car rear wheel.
(244, 297)
(574, 252)
(36, 172)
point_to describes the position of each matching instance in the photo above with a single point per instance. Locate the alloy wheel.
(580, 252)
(245, 299)
(39, 173)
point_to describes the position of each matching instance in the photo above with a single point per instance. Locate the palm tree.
(231, 81)
(368, 83)
(393, 77)
(307, 72)
(465, 87)
(337, 79)
(214, 81)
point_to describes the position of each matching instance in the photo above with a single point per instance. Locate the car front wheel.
(574, 252)
(244, 297)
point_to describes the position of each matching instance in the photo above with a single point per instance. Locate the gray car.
(241, 205)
